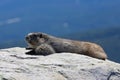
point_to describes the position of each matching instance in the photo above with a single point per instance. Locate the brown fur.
(58, 45)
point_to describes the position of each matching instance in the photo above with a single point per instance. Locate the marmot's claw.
(28, 48)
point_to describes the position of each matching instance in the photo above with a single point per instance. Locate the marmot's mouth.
(32, 43)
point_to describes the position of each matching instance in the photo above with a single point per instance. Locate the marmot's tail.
(100, 55)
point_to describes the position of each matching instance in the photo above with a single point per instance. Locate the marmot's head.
(35, 39)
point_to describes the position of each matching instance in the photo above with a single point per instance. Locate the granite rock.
(16, 65)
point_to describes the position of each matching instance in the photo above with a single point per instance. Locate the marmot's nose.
(27, 38)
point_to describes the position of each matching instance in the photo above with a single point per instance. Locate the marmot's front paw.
(44, 49)
(32, 52)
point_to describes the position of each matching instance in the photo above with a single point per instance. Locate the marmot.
(44, 44)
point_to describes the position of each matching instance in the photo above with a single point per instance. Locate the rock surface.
(16, 65)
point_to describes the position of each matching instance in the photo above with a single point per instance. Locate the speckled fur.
(51, 44)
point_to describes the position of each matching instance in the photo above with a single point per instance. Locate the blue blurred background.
(89, 20)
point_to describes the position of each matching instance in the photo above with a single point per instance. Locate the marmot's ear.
(42, 35)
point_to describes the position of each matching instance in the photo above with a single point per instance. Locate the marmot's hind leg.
(44, 49)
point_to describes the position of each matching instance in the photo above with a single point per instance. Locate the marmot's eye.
(34, 35)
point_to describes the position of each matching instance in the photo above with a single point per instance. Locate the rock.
(16, 65)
